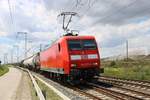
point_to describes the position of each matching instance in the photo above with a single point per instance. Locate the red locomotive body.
(74, 57)
(55, 59)
(71, 58)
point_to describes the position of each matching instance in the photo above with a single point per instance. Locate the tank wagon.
(32, 63)
(71, 58)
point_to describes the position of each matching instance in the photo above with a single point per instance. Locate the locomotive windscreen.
(74, 45)
(89, 44)
(81, 44)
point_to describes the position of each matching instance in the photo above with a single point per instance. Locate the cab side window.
(59, 48)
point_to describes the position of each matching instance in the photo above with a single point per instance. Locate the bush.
(3, 70)
(113, 63)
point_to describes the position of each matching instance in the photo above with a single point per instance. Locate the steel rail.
(131, 90)
(85, 93)
(133, 80)
(117, 95)
(125, 82)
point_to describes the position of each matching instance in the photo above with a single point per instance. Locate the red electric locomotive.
(72, 58)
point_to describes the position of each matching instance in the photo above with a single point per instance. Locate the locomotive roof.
(74, 37)
(78, 37)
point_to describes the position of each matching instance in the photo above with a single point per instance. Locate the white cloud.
(137, 45)
(3, 33)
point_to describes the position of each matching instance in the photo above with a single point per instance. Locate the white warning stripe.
(78, 57)
(92, 56)
(75, 57)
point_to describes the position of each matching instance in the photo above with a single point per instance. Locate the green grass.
(50, 94)
(3, 69)
(139, 70)
(33, 91)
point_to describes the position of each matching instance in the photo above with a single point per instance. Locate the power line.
(25, 39)
(5, 58)
(127, 53)
(90, 4)
(17, 51)
(11, 55)
(10, 12)
(119, 10)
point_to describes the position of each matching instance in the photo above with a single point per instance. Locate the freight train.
(71, 59)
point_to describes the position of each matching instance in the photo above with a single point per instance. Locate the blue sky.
(112, 22)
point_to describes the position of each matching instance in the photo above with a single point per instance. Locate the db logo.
(84, 57)
(83, 53)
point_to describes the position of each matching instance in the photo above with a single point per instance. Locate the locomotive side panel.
(47, 59)
(54, 59)
(64, 56)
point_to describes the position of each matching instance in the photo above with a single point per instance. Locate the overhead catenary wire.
(90, 4)
(12, 27)
(10, 12)
(119, 10)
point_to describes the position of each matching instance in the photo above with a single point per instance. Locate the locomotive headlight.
(95, 63)
(73, 65)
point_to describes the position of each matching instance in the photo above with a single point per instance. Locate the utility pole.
(25, 45)
(127, 54)
(25, 41)
(40, 47)
(11, 55)
(17, 52)
(5, 58)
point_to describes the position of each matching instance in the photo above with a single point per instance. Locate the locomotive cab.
(84, 57)
(83, 53)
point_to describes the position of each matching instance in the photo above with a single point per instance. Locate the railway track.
(138, 88)
(141, 81)
(107, 92)
(138, 93)
(117, 95)
(140, 84)
(91, 96)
